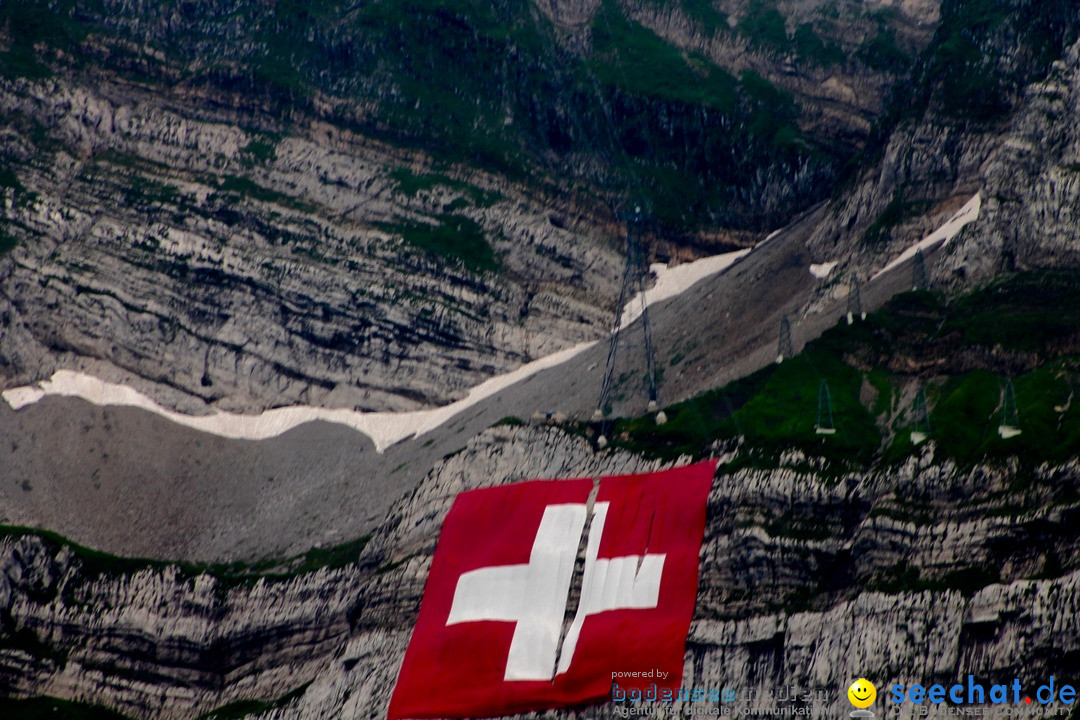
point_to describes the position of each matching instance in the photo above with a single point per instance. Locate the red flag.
(507, 625)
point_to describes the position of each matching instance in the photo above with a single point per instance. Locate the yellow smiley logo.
(862, 693)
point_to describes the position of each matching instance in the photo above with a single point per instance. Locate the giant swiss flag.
(508, 624)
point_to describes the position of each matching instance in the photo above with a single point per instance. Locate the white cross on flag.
(509, 625)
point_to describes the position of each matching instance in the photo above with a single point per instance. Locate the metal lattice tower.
(919, 279)
(854, 301)
(633, 278)
(824, 424)
(1010, 418)
(650, 360)
(785, 348)
(921, 414)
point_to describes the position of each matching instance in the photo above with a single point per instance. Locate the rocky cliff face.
(229, 208)
(249, 269)
(229, 236)
(806, 580)
(160, 230)
(999, 126)
(839, 60)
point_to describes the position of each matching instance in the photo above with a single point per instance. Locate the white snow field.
(384, 428)
(673, 281)
(388, 428)
(965, 215)
(822, 270)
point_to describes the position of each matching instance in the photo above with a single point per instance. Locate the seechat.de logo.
(862, 694)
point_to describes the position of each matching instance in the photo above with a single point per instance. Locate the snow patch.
(673, 281)
(822, 271)
(384, 428)
(965, 215)
(20, 397)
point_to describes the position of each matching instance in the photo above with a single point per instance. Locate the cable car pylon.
(919, 278)
(921, 429)
(1010, 418)
(633, 278)
(824, 424)
(785, 348)
(854, 301)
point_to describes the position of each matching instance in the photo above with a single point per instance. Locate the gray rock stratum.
(1026, 163)
(918, 574)
(213, 265)
(176, 239)
(180, 227)
(136, 484)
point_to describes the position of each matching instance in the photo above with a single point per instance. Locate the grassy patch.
(7, 242)
(454, 238)
(881, 53)
(799, 527)
(905, 578)
(410, 184)
(630, 56)
(775, 409)
(28, 27)
(772, 111)
(1023, 312)
(142, 191)
(261, 149)
(882, 383)
(246, 708)
(8, 179)
(810, 46)
(764, 26)
(711, 19)
(246, 187)
(331, 558)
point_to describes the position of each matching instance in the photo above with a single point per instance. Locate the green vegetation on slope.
(246, 708)
(453, 238)
(1030, 320)
(764, 25)
(481, 84)
(632, 57)
(703, 11)
(982, 53)
(726, 121)
(410, 184)
(7, 242)
(766, 28)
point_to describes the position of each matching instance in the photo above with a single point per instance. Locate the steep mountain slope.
(203, 497)
(379, 205)
(257, 270)
(989, 108)
(515, 85)
(735, 335)
(861, 553)
(969, 532)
